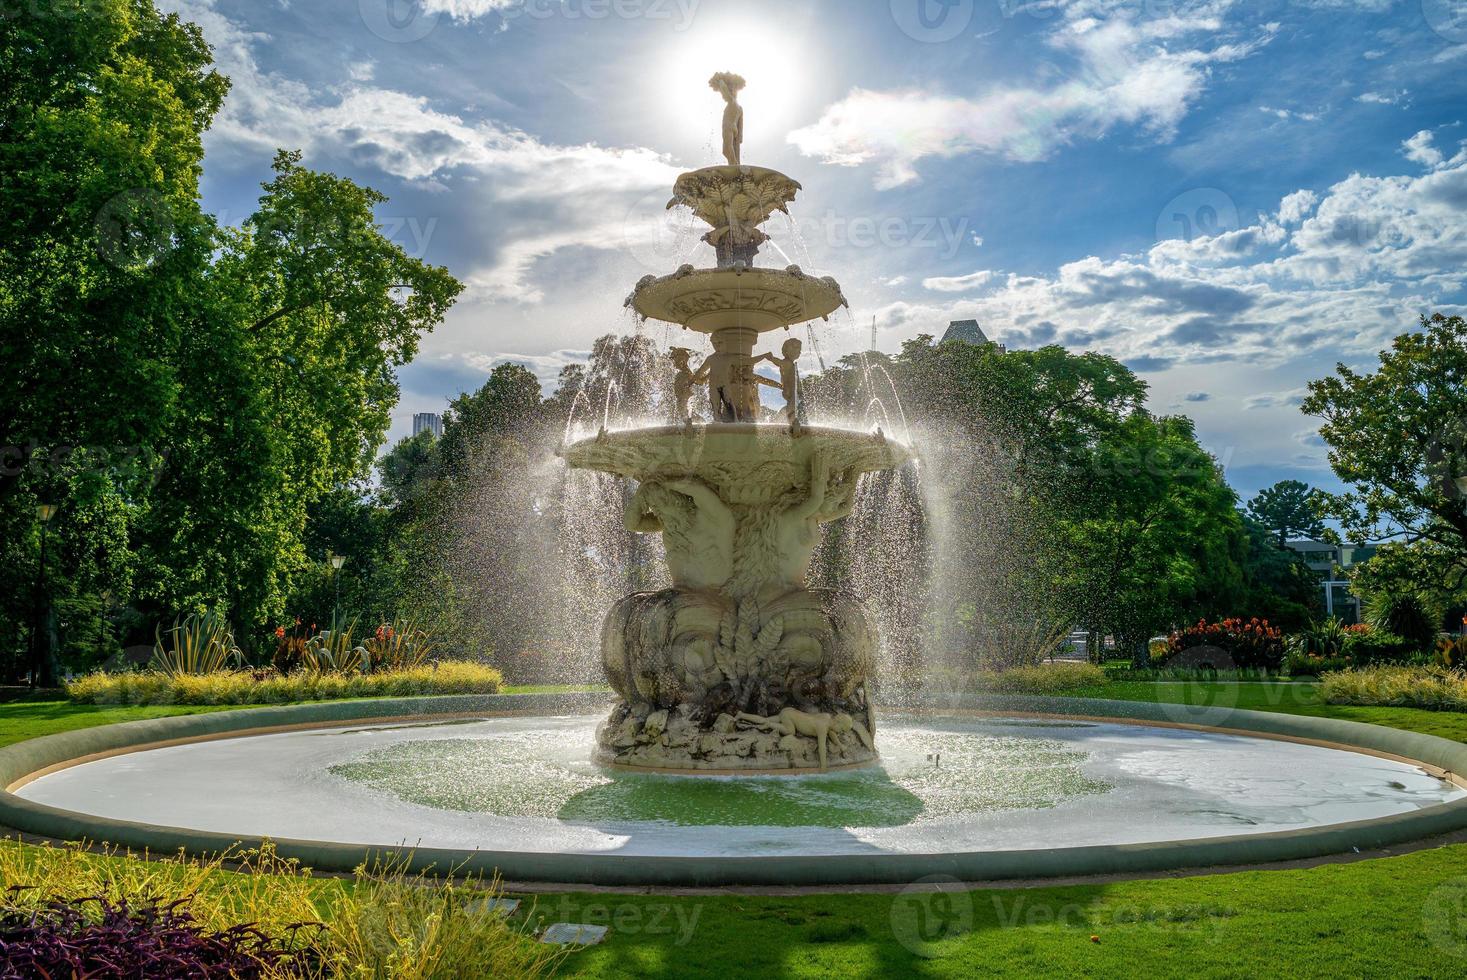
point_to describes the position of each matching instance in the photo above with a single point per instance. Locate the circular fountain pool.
(965, 785)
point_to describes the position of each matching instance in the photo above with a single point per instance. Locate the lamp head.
(337, 561)
(44, 512)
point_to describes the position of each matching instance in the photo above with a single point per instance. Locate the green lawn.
(1401, 916)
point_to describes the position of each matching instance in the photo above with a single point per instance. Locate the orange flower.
(280, 632)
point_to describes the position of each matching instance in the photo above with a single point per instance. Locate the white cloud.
(1292, 398)
(1419, 149)
(1128, 70)
(1383, 98)
(1296, 206)
(1334, 277)
(545, 190)
(1290, 113)
(959, 284)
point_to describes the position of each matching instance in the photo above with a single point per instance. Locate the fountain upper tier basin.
(734, 196)
(708, 300)
(744, 463)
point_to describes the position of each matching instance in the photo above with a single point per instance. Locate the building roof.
(967, 331)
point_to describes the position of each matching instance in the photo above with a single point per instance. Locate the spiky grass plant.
(196, 644)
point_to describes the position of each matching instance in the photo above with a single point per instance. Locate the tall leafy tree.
(1289, 508)
(1397, 437)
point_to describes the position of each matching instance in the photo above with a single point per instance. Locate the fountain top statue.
(727, 84)
(741, 665)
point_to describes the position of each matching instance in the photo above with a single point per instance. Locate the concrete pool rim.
(25, 761)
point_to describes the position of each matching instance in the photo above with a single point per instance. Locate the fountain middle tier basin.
(745, 464)
(760, 299)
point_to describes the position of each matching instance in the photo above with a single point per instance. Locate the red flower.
(280, 632)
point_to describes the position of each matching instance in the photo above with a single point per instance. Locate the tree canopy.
(1397, 439)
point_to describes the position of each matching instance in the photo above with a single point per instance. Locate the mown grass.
(1392, 917)
(238, 687)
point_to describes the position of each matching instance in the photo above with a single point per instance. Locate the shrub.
(1377, 646)
(243, 687)
(399, 645)
(332, 651)
(96, 936)
(1405, 615)
(381, 923)
(1435, 688)
(198, 644)
(1228, 644)
(1044, 679)
(1451, 651)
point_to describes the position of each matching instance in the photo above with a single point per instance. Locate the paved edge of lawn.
(23, 760)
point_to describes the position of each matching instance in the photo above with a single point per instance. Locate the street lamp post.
(336, 562)
(43, 654)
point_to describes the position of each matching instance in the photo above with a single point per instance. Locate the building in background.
(1331, 562)
(428, 422)
(969, 332)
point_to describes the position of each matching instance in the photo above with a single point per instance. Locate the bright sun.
(767, 59)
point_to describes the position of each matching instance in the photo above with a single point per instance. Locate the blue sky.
(1228, 196)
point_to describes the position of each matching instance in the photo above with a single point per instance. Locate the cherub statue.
(789, 380)
(727, 84)
(793, 721)
(733, 391)
(683, 381)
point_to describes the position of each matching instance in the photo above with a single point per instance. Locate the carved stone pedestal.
(695, 669)
(740, 666)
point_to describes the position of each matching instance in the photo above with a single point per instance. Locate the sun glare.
(762, 53)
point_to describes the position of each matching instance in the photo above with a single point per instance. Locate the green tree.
(1289, 508)
(1157, 541)
(1397, 439)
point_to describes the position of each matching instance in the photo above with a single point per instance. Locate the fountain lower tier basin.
(759, 299)
(961, 786)
(744, 463)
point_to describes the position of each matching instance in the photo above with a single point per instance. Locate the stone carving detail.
(683, 661)
(734, 201)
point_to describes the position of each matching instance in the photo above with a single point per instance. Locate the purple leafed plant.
(95, 937)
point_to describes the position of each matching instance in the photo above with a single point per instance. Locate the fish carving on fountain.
(740, 665)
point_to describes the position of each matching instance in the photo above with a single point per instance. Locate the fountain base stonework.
(739, 666)
(692, 667)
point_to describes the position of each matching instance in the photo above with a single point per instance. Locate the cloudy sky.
(1228, 196)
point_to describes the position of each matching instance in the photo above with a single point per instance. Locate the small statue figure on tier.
(683, 381)
(733, 387)
(789, 380)
(727, 84)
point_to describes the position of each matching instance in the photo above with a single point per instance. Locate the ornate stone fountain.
(740, 665)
